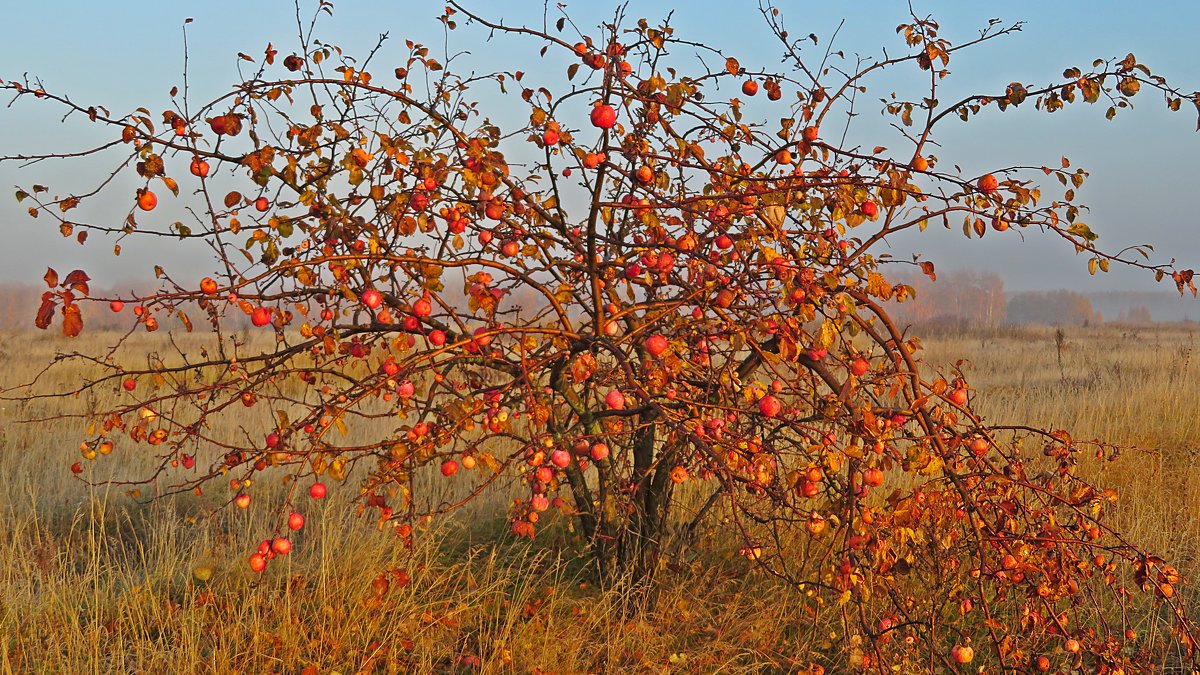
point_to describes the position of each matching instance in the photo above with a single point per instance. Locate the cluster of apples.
(268, 549)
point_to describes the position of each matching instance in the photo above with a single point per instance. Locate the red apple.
(372, 298)
(604, 116)
(495, 210)
(260, 317)
(449, 468)
(988, 184)
(317, 491)
(962, 653)
(657, 345)
(199, 167)
(422, 308)
(769, 406)
(615, 400)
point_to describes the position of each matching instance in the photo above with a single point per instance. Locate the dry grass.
(92, 581)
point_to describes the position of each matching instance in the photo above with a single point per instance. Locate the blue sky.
(128, 53)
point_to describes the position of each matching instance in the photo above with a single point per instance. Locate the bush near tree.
(667, 282)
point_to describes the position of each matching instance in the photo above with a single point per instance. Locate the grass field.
(92, 581)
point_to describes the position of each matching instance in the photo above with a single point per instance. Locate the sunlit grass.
(92, 581)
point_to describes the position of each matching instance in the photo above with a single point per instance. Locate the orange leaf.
(51, 277)
(72, 320)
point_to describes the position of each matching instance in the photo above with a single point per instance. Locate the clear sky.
(126, 53)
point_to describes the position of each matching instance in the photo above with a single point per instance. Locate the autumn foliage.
(658, 305)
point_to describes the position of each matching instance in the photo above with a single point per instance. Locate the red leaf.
(77, 280)
(51, 277)
(45, 312)
(72, 320)
(927, 268)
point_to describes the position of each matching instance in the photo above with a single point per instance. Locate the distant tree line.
(1052, 308)
(964, 297)
(959, 296)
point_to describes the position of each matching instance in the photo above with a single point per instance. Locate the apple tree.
(656, 305)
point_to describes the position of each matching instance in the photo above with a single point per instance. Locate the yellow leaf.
(828, 334)
(878, 286)
(774, 215)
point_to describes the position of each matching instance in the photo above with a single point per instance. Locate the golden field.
(94, 581)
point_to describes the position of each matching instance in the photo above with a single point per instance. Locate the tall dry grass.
(94, 581)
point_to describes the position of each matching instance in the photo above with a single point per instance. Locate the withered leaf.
(72, 320)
